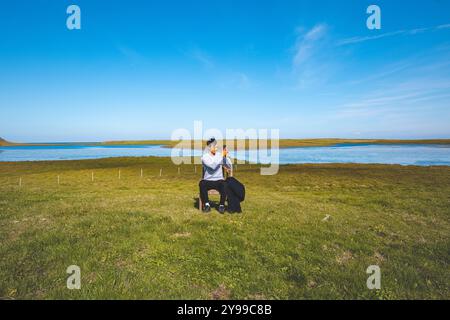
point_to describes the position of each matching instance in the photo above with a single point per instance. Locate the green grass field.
(309, 232)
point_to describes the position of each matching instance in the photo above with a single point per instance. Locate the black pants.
(206, 185)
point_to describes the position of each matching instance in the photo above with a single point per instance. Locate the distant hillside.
(283, 143)
(3, 142)
(286, 143)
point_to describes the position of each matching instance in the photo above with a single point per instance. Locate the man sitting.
(213, 162)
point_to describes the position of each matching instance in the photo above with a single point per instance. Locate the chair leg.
(199, 203)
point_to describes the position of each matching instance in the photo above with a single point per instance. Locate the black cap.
(210, 141)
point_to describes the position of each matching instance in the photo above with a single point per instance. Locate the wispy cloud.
(413, 88)
(201, 57)
(401, 98)
(307, 43)
(243, 81)
(131, 54)
(367, 38)
(236, 80)
(359, 39)
(397, 98)
(218, 71)
(444, 26)
(311, 61)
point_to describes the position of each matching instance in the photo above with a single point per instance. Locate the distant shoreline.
(283, 143)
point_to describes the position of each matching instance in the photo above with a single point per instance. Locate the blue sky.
(141, 69)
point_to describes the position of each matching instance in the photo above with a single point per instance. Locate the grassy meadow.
(309, 232)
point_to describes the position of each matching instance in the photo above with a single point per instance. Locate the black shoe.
(222, 209)
(207, 208)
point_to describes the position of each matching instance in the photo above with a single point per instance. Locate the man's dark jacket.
(235, 194)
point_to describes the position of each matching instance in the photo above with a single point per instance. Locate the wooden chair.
(227, 173)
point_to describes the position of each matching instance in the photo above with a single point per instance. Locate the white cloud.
(367, 38)
(132, 55)
(243, 81)
(359, 39)
(202, 57)
(236, 80)
(312, 59)
(307, 43)
(443, 26)
(404, 97)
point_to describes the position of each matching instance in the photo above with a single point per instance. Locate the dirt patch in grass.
(344, 258)
(181, 235)
(221, 293)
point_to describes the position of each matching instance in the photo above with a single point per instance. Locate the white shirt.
(212, 166)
